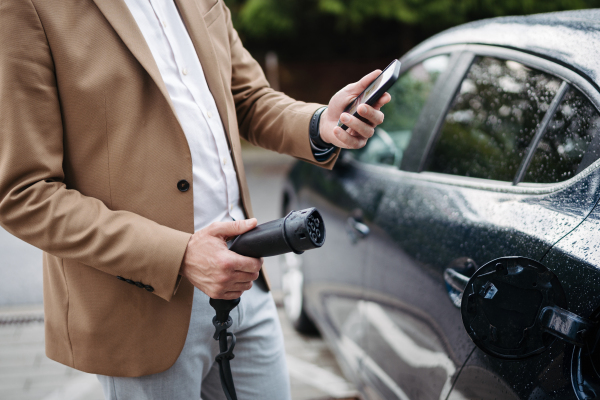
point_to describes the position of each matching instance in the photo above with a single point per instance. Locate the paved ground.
(26, 373)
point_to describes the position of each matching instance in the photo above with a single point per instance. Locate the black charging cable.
(296, 232)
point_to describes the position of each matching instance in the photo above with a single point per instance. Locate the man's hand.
(358, 131)
(212, 268)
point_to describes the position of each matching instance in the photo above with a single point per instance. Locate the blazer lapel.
(196, 27)
(118, 15)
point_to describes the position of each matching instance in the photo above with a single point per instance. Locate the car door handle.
(456, 282)
(356, 229)
(455, 285)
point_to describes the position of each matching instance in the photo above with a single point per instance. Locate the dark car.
(463, 241)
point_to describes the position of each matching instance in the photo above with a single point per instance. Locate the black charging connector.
(296, 232)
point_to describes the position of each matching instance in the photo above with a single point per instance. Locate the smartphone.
(374, 91)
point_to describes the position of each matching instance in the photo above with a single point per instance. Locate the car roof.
(571, 38)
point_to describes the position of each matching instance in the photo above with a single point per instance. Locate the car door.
(458, 207)
(333, 276)
(417, 100)
(348, 197)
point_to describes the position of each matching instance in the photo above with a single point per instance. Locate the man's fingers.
(375, 117)
(383, 100)
(235, 291)
(356, 88)
(230, 229)
(235, 279)
(347, 140)
(241, 286)
(217, 271)
(362, 128)
(230, 295)
(244, 264)
(240, 276)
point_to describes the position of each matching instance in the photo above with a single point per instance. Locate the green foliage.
(409, 95)
(356, 12)
(262, 18)
(562, 148)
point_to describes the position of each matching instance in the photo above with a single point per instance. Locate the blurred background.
(309, 49)
(319, 46)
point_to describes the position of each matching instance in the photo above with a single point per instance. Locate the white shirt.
(215, 188)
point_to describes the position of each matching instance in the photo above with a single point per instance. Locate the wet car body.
(490, 150)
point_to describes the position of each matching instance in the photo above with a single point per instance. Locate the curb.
(15, 315)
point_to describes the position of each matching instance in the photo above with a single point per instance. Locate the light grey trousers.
(259, 367)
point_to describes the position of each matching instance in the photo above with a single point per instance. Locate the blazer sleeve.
(35, 204)
(268, 118)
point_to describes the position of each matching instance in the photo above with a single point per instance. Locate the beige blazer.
(91, 152)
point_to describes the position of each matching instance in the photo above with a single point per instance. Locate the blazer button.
(139, 284)
(149, 288)
(183, 185)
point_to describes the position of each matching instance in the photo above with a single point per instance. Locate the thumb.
(354, 89)
(233, 228)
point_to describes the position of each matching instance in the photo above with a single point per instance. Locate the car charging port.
(585, 364)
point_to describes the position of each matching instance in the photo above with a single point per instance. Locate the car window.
(492, 120)
(561, 149)
(409, 95)
(380, 149)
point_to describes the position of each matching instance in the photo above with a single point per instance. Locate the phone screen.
(372, 88)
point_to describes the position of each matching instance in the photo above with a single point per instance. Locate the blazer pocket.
(213, 14)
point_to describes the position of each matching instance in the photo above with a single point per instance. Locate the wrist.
(322, 120)
(315, 129)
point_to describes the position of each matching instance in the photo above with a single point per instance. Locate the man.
(120, 158)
